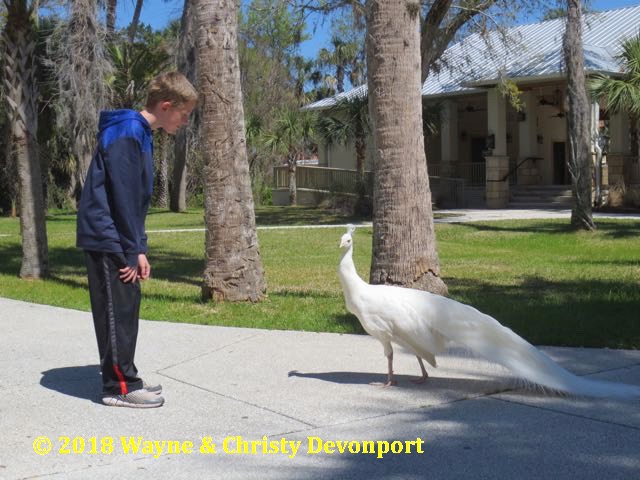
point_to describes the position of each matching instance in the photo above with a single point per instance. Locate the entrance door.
(477, 174)
(560, 176)
(477, 149)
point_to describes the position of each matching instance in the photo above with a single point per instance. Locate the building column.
(528, 173)
(597, 158)
(497, 162)
(497, 121)
(619, 147)
(619, 134)
(448, 137)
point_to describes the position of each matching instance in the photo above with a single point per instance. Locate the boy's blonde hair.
(170, 87)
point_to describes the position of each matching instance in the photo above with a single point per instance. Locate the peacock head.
(346, 241)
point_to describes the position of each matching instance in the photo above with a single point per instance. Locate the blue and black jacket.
(117, 191)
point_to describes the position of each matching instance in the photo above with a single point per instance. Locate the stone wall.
(497, 188)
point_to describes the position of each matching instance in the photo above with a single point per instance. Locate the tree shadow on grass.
(62, 260)
(173, 266)
(541, 226)
(285, 216)
(608, 263)
(290, 292)
(582, 312)
(63, 218)
(350, 322)
(579, 313)
(176, 267)
(615, 230)
(10, 258)
(627, 229)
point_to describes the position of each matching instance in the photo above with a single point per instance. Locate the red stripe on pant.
(123, 384)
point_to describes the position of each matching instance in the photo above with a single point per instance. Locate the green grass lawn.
(547, 283)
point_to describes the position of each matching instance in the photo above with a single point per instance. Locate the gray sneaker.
(157, 389)
(137, 399)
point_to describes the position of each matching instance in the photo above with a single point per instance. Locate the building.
(507, 157)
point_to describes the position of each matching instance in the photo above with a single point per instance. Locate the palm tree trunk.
(580, 162)
(133, 27)
(634, 131)
(362, 206)
(360, 140)
(111, 16)
(178, 194)
(293, 187)
(404, 246)
(73, 192)
(185, 59)
(162, 174)
(233, 268)
(9, 174)
(19, 78)
(84, 151)
(340, 78)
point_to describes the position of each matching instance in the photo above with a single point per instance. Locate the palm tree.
(19, 78)
(135, 64)
(81, 68)
(341, 57)
(291, 137)
(346, 121)
(578, 120)
(622, 94)
(404, 247)
(233, 268)
(253, 134)
(302, 69)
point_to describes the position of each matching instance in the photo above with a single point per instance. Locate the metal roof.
(532, 51)
(329, 102)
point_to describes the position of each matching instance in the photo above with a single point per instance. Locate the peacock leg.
(424, 376)
(390, 381)
(388, 351)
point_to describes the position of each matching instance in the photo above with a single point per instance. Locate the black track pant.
(115, 306)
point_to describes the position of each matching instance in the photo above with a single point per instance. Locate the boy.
(110, 229)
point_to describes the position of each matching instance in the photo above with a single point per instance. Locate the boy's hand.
(128, 274)
(144, 269)
(142, 272)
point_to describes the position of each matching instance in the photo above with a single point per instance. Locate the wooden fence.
(334, 180)
(446, 191)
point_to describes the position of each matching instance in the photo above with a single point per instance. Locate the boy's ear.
(165, 105)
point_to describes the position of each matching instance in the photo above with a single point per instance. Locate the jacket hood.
(112, 117)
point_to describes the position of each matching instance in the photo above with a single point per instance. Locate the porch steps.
(540, 196)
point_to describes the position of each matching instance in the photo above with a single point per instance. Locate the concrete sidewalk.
(302, 387)
(461, 215)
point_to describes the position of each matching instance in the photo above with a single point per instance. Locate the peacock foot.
(390, 383)
(419, 380)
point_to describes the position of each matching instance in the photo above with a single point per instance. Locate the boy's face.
(173, 116)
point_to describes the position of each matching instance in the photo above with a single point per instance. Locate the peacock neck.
(347, 270)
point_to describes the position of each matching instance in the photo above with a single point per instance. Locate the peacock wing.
(393, 311)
